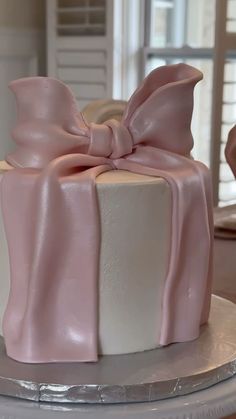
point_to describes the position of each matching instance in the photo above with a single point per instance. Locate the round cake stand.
(215, 402)
(191, 380)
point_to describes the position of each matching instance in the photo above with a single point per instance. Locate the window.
(184, 31)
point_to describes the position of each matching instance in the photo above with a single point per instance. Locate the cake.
(103, 223)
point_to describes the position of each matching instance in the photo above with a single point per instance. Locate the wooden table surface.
(224, 283)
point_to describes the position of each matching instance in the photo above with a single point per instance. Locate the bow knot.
(110, 139)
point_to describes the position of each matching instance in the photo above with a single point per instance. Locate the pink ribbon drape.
(52, 220)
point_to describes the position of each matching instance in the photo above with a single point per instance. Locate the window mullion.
(182, 52)
(178, 23)
(147, 23)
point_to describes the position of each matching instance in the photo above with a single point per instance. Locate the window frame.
(210, 53)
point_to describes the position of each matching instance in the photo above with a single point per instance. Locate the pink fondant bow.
(49, 124)
(52, 309)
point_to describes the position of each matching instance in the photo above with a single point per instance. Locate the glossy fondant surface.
(130, 294)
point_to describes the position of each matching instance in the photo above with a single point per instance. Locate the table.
(224, 283)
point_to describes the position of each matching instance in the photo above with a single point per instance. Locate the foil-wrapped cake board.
(178, 369)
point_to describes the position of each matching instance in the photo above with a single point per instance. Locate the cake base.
(178, 369)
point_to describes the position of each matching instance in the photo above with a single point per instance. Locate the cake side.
(135, 215)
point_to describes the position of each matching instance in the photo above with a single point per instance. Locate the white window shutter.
(80, 47)
(95, 46)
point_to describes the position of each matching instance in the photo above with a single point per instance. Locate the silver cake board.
(175, 370)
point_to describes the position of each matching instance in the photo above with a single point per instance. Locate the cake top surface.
(4, 166)
(110, 177)
(123, 176)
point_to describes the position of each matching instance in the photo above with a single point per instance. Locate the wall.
(22, 54)
(22, 13)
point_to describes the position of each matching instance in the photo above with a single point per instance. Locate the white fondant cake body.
(135, 212)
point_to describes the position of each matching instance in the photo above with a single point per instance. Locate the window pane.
(175, 23)
(202, 104)
(161, 15)
(229, 98)
(227, 192)
(227, 187)
(231, 16)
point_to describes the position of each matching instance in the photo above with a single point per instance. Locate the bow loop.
(159, 112)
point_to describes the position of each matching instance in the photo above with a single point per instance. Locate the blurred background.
(103, 48)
